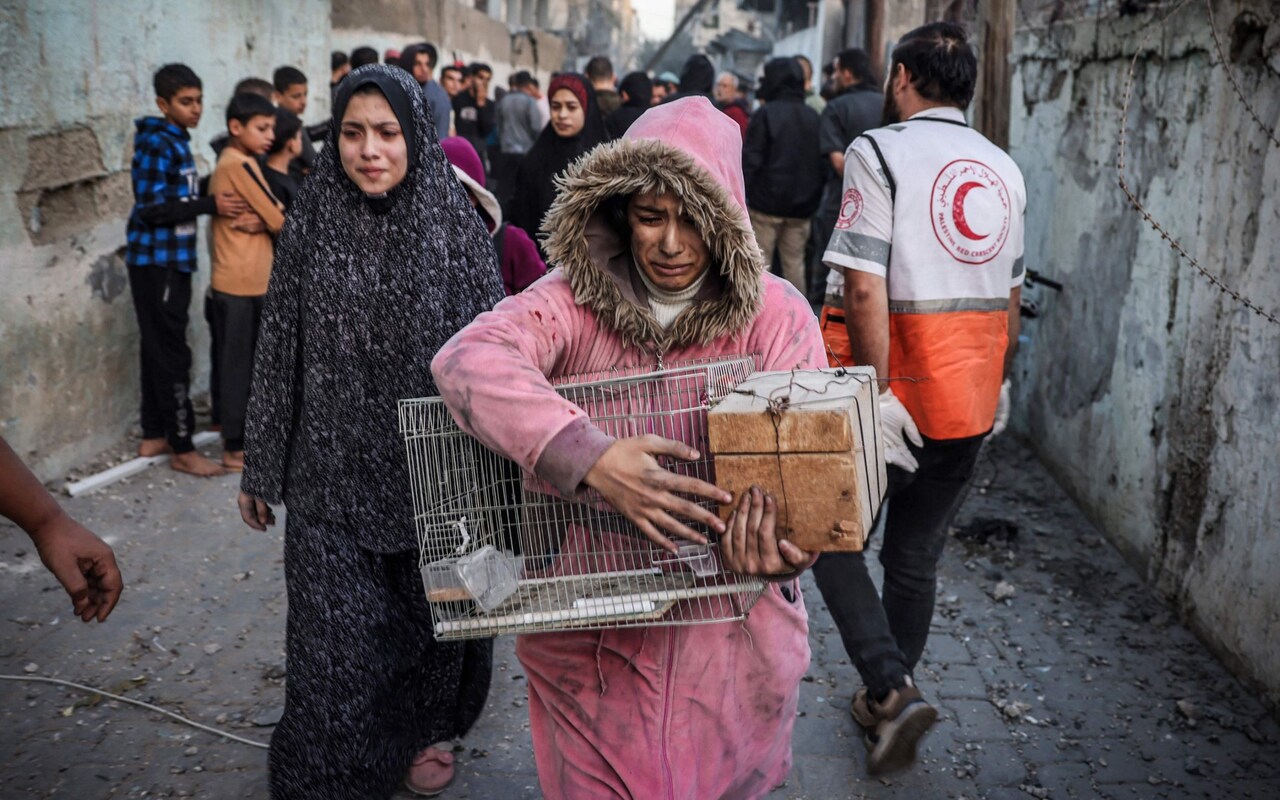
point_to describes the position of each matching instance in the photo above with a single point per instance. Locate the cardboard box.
(811, 438)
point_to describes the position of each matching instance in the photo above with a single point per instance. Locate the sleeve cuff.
(835, 260)
(571, 454)
(269, 492)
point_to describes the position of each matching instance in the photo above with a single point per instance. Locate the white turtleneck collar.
(665, 305)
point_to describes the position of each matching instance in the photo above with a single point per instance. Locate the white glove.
(1002, 411)
(896, 425)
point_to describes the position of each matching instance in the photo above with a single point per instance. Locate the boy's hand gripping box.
(811, 438)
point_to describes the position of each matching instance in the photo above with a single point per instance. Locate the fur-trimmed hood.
(687, 147)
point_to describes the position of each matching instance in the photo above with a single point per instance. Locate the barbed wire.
(1231, 75)
(1213, 279)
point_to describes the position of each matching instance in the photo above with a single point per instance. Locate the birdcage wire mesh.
(501, 551)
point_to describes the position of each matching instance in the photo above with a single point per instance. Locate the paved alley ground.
(1056, 673)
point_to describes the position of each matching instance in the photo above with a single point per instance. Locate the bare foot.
(233, 460)
(195, 464)
(153, 447)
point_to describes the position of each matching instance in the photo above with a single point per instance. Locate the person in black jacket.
(697, 77)
(857, 107)
(637, 94)
(783, 171)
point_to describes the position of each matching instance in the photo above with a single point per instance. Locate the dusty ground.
(1075, 683)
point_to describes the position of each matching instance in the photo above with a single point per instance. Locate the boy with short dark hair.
(291, 94)
(285, 150)
(339, 66)
(250, 85)
(161, 255)
(242, 261)
(473, 117)
(254, 85)
(362, 56)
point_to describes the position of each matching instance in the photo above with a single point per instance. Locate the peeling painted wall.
(1152, 395)
(458, 32)
(76, 76)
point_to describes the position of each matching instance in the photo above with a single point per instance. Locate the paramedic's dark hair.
(522, 79)
(285, 77)
(942, 64)
(858, 63)
(287, 127)
(337, 59)
(172, 78)
(363, 55)
(246, 105)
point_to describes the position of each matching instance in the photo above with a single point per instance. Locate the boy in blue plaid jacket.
(161, 255)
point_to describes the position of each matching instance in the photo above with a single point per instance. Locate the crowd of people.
(390, 252)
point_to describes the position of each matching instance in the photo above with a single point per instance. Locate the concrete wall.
(1153, 396)
(76, 75)
(458, 32)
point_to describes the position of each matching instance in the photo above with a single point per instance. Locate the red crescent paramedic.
(926, 268)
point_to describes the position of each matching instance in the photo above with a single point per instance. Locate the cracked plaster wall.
(1153, 396)
(76, 76)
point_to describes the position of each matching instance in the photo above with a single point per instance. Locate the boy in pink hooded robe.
(694, 712)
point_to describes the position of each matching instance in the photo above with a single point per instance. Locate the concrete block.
(811, 438)
(978, 721)
(961, 682)
(817, 411)
(818, 495)
(999, 764)
(946, 650)
(113, 195)
(62, 157)
(1066, 779)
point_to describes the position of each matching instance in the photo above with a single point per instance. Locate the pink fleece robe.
(695, 712)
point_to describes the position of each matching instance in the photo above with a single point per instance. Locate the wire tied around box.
(812, 439)
(501, 551)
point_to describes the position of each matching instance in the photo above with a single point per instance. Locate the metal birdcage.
(504, 552)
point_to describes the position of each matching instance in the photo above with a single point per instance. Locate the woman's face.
(567, 114)
(665, 242)
(371, 144)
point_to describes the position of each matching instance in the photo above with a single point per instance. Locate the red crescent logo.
(957, 212)
(850, 209)
(971, 227)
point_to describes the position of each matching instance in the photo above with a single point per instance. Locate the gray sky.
(657, 17)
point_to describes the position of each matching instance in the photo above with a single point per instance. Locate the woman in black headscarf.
(637, 93)
(380, 261)
(576, 127)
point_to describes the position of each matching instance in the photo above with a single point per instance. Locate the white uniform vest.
(938, 210)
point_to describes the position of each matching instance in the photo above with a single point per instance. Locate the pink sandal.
(431, 773)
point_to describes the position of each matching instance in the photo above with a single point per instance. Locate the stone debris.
(268, 717)
(1003, 591)
(1188, 710)
(1013, 710)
